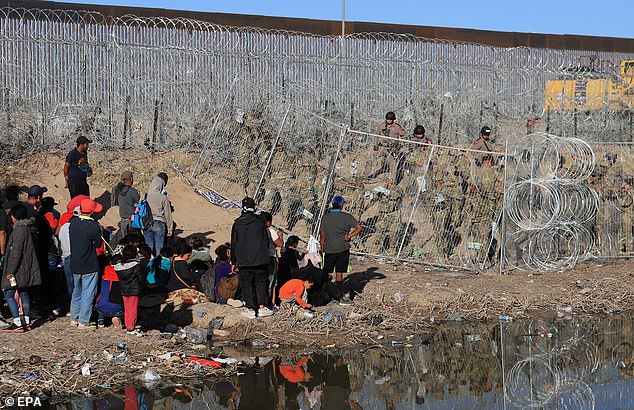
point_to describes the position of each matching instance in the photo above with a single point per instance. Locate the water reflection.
(563, 364)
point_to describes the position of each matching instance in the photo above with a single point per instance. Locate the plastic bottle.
(12, 282)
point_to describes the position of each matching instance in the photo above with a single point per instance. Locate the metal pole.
(503, 221)
(329, 181)
(411, 215)
(503, 364)
(270, 158)
(343, 25)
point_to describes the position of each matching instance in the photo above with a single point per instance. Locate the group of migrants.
(67, 263)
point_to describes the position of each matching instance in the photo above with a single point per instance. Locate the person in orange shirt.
(296, 291)
(296, 374)
(50, 213)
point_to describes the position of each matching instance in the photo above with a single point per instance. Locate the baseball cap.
(338, 200)
(248, 204)
(83, 140)
(48, 201)
(485, 130)
(36, 191)
(126, 175)
(88, 205)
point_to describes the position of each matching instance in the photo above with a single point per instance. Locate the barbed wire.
(291, 119)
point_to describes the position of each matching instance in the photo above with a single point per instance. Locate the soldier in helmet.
(388, 150)
(419, 154)
(483, 143)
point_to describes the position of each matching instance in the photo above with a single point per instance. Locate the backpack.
(142, 217)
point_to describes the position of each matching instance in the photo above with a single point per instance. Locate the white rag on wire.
(313, 255)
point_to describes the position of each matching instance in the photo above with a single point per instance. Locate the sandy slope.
(192, 213)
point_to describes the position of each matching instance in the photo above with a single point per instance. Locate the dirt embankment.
(392, 303)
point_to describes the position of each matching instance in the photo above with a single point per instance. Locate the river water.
(545, 363)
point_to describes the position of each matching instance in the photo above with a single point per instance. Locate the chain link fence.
(289, 118)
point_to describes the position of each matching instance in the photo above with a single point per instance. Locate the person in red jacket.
(296, 374)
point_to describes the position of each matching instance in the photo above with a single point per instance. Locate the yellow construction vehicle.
(585, 89)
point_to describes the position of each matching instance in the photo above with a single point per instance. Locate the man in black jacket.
(85, 239)
(250, 255)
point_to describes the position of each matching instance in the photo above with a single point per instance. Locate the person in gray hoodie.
(127, 199)
(161, 214)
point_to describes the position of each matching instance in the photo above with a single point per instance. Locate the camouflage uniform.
(388, 221)
(483, 144)
(449, 179)
(388, 152)
(418, 159)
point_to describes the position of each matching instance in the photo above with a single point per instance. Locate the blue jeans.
(155, 237)
(70, 280)
(83, 297)
(9, 295)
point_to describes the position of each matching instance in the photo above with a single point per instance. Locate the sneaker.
(116, 322)
(101, 324)
(305, 314)
(27, 327)
(13, 328)
(264, 312)
(248, 313)
(345, 301)
(74, 323)
(235, 303)
(3, 324)
(135, 332)
(89, 326)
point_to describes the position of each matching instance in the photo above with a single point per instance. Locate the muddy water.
(562, 364)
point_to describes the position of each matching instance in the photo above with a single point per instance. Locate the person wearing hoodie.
(161, 214)
(250, 242)
(127, 198)
(21, 270)
(130, 273)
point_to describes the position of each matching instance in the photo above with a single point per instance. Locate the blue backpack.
(142, 218)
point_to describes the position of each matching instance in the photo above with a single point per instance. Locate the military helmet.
(419, 130)
(390, 116)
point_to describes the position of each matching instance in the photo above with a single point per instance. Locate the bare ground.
(393, 302)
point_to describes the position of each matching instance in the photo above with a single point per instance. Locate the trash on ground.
(150, 375)
(205, 362)
(85, 369)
